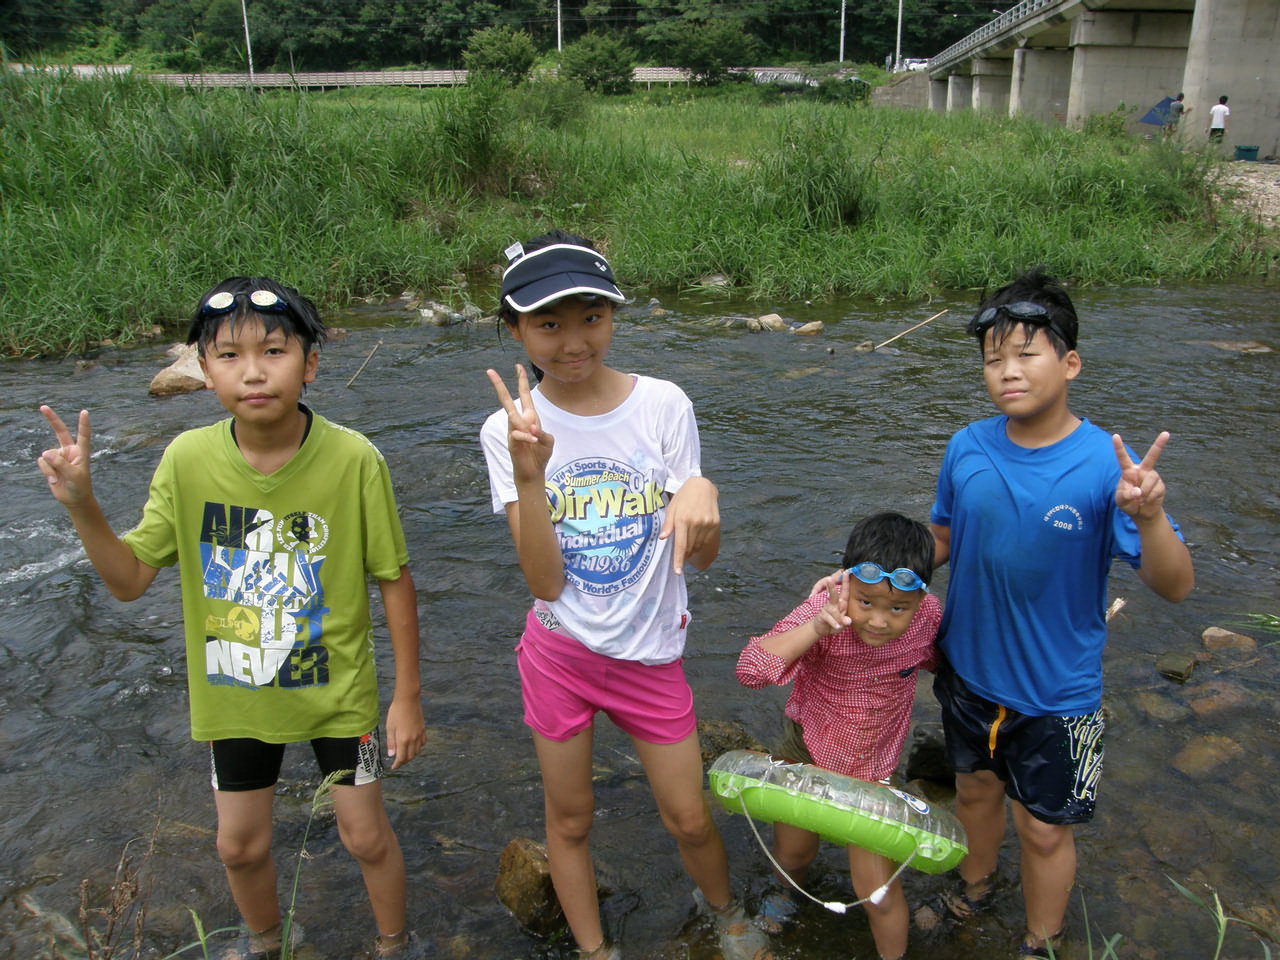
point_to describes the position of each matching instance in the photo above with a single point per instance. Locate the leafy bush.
(710, 49)
(501, 51)
(550, 102)
(846, 90)
(600, 63)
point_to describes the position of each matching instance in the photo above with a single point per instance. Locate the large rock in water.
(524, 887)
(182, 376)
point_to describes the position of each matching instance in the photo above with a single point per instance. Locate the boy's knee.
(241, 850)
(367, 842)
(1043, 840)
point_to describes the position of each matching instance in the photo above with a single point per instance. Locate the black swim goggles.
(1021, 311)
(264, 301)
(902, 578)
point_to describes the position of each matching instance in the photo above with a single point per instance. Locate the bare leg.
(1048, 872)
(244, 845)
(570, 805)
(889, 918)
(795, 848)
(367, 834)
(675, 776)
(980, 808)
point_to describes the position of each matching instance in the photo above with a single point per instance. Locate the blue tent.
(1159, 114)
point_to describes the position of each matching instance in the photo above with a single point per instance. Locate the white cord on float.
(835, 906)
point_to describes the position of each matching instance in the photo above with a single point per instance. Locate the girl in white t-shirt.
(599, 474)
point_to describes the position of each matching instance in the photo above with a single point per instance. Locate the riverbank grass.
(124, 199)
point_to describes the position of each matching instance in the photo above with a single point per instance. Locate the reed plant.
(121, 200)
(115, 929)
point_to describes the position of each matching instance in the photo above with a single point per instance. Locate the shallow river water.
(803, 435)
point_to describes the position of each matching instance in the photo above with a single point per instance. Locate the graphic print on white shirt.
(604, 511)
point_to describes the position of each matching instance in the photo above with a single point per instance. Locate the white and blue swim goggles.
(264, 301)
(902, 578)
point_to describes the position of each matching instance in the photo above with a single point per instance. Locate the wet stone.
(524, 887)
(1177, 667)
(927, 755)
(1220, 696)
(813, 328)
(1203, 755)
(720, 736)
(1159, 707)
(1218, 638)
(182, 376)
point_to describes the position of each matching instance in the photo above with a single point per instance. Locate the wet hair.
(1035, 286)
(506, 313)
(299, 318)
(892, 541)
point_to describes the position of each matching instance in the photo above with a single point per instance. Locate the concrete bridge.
(1065, 60)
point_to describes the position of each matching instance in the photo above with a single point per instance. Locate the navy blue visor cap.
(534, 279)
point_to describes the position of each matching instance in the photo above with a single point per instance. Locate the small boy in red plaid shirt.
(852, 650)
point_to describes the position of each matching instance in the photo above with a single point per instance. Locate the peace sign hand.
(1140, 492)
(66, 466)
(530, 447)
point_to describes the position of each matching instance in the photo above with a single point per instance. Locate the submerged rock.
(1177, 667)
(1203, 755)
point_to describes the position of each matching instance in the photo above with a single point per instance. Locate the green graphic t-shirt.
(274, 572)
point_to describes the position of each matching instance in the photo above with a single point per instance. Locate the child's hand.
(406, 730)
(693, 517)
(67, 465)
(1140, 492)
(530, 447)
(834, 615)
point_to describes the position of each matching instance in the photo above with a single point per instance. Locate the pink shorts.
(564, 684)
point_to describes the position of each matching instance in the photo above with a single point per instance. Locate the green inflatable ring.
(840, 809)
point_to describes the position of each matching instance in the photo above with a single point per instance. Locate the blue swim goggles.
(903, 579)
(264, 301)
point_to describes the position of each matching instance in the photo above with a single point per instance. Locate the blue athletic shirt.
(1033, 534)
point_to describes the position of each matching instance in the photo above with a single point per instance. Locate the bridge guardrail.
(988, 30)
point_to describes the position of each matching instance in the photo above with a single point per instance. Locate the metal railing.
(1006, 21)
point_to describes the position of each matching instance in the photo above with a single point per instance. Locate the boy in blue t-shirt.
(1031, 508)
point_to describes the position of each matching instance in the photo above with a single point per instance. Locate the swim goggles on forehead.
(1022, 311)
(264, 301)
(904, 579)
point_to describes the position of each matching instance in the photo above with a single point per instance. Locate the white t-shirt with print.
(608, 482)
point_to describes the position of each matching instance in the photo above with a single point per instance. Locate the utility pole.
(842, 2)
(559, 35)
(897, 50)
(248, 49)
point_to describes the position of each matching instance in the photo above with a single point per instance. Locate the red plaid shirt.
(853, 700)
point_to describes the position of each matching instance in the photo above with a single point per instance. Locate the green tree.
(708, 50)
(600, 62)
(502, 52)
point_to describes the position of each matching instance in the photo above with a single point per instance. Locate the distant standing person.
(1219, 117)
(1177, 110)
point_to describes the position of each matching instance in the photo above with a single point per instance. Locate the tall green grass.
(121, 200)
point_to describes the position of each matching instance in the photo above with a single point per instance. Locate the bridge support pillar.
(1129, 60)
(959, 92)
(1235, 50)
(938, 95)
(991, 82)
(1041, 84)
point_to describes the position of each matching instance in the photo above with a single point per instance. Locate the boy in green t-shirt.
(276, 518)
